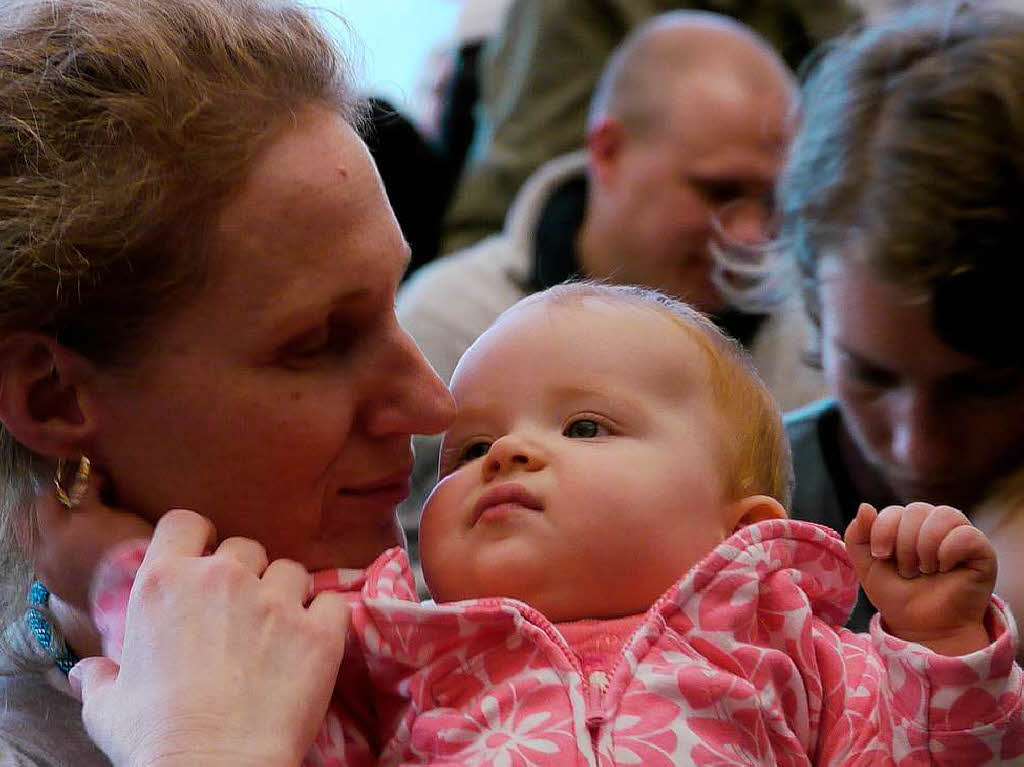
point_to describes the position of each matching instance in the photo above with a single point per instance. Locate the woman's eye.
(584, 428)
(334, 341)
(305, 350)
(473, 451)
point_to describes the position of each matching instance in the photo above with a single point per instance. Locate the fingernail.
(75, 682)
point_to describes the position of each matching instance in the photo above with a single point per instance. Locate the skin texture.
(656, 192)
(280, 402)
(931, 423)
(615, 446)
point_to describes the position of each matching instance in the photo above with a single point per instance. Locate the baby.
(617, 582)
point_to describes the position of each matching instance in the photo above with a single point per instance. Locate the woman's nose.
(412, 398)
(511, 453)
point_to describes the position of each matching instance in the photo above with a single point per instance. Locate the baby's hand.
(929, 572)
(71, 543)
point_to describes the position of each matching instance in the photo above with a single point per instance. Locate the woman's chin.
(354, 543)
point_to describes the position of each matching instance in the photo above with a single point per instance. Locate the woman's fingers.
(251, 554)
(331, 610)
(289, 579)
(180, 533)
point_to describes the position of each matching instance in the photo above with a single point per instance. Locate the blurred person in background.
(539, 74)
(902, 205)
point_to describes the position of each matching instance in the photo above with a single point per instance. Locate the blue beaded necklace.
(38, 599)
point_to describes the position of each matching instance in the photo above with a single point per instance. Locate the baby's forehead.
(617, 318)
(627, 315)
(578, 336)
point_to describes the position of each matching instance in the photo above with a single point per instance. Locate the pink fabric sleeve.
(888, 701)
(111, 587)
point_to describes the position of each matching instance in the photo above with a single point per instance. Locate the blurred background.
(401, 44)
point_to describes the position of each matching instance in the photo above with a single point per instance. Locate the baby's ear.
(755, 508)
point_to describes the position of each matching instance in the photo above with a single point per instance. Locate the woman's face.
(280, 402)
(936, 424)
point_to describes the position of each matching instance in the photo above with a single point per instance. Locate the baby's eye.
(474, 450)
(584, 428)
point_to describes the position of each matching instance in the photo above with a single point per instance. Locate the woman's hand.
(929, 572)
(222, 665)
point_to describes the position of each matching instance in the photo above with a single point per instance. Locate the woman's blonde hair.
(124, 126)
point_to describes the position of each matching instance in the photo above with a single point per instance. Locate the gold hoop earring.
(70, 499)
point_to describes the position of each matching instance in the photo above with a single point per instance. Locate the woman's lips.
(507, 494)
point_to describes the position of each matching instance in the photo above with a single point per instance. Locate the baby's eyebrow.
(604, 396)
(572, 391)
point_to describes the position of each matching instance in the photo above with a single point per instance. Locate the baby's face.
(583, 473)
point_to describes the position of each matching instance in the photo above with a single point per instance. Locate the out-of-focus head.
(198, 274)
(599, 430)
(687, 133)
(903, 205)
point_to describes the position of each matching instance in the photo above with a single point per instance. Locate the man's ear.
(606, 141)
(755, 508)
(41, 398)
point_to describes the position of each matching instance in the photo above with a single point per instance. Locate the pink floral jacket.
(739, 663)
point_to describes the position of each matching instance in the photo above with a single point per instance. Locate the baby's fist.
(929, 572)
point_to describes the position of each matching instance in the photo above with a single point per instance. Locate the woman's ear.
(755, 508)
(41, 401)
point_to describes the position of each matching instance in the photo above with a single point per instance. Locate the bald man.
(686, 136)
(538, 74)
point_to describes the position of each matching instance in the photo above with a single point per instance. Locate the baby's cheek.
(440, 529)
